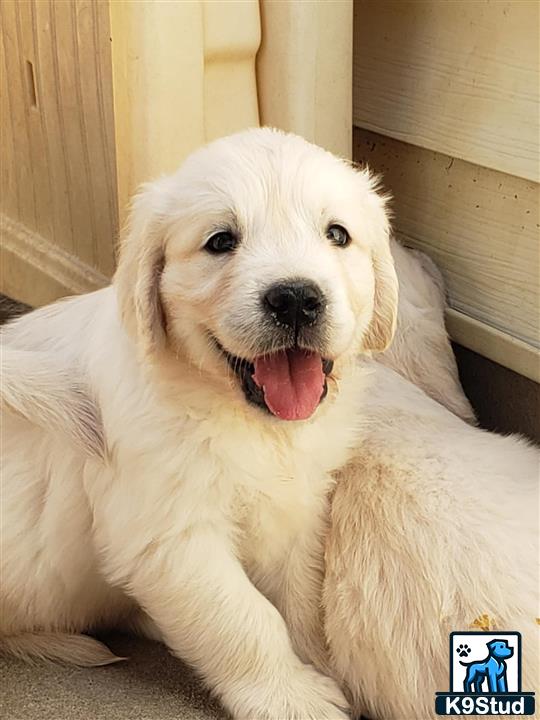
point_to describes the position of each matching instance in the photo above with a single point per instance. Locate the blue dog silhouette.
(492, 669)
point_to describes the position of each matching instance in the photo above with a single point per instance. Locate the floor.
(150, 685)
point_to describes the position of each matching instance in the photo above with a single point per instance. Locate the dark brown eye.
(221, 242)
(338, 236)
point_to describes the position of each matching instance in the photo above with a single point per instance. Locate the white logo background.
(479, 651)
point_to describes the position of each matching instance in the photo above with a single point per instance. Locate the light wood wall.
(304, 70)
(446, 107)
(457, 77)
(184, 74)
(98, 97)
(58, 189)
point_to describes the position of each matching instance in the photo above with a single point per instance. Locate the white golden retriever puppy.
(434, 528)
(247, 283)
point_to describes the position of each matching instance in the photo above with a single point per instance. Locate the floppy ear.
(383, 323)
(138, 276)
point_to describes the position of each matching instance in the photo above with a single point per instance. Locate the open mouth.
(290, 384)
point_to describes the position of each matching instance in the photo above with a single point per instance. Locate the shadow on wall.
(10, 309)
(503, 400)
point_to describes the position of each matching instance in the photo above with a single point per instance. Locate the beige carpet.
(151, 685)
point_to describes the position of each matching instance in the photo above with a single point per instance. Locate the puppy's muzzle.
(294, 304)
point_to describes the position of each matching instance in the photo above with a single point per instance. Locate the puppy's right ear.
(138, 276)
(383, 323)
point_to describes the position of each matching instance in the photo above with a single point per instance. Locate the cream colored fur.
(187, 513)
(434, 524)
(421, 350)
(134, 474)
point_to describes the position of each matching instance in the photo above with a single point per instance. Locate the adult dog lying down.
(434, 525)
(247, 284)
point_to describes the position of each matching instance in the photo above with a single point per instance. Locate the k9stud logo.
(485, 676)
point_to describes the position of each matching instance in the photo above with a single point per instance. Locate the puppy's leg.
(210, 615)
(139, 623)
(299, 594)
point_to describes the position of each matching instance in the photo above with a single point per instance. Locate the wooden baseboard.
(494, 344)
(36, 272)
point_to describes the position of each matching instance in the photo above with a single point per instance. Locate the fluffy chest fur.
(262, 481)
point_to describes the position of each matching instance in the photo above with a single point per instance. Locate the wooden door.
(59, 216)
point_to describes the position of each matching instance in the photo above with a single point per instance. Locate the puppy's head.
(265, 259)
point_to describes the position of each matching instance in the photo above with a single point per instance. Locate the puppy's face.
(270, 266)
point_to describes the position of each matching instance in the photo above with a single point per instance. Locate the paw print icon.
(463, 650)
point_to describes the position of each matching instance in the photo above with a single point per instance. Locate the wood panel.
(231, 41)
(479, 225)
(56, 145)
(501, 347)
(38, 271)
(457, 77)
(304, 70)
(184, 73)
(157, 66)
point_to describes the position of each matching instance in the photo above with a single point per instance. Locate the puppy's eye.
(221, 242)
(338, 235)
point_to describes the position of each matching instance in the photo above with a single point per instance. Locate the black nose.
(295, 303)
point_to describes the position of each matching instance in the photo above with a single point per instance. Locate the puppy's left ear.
(138, 276)
(383, 323)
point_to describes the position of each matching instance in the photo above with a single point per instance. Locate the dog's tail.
(63, 648)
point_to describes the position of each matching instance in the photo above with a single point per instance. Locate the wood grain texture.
(57, 150)
(457, 77)
(231, 41)
(480, 226)
(500, 347)
(304, 70)
(157, 70)
(183, 74)
(36, 271)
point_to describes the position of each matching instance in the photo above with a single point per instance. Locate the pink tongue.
(292, 382)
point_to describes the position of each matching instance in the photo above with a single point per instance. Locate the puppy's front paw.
(304, 694)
